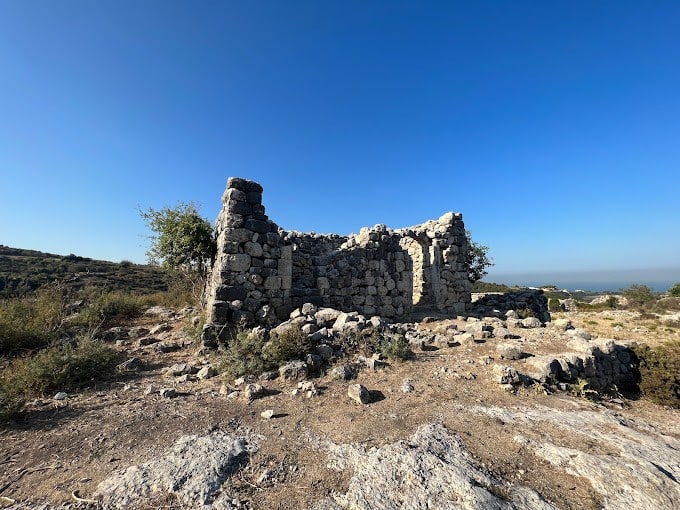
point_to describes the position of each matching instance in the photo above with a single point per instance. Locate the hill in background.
(24, 271)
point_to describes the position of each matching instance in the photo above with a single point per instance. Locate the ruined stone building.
(261, 272)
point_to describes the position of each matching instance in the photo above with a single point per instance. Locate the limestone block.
(509, 351)
(233, 221)
(243, 317)
(272, 283)
(233, 194)
(359, 393)
(287, 252)
(295, 370)
(238, 207)
(239, 262)
(230, 293)
(238, 235)
(254, 197)
(531, 322)
(506, 375)
(253, 249)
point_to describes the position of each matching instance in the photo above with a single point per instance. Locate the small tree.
(477, 258)
(675, 290)
(639, 294)
(182, 239)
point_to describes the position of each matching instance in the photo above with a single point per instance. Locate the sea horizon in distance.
(658, 279)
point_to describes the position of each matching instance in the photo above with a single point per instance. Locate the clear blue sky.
(554, 127)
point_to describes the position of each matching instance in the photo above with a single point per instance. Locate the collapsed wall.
(261, 272)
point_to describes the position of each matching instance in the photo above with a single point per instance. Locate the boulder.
(295, 370)
(359, 393)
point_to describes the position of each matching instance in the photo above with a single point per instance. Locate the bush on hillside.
(554, 305)
(31, 322)
(675, 290)
(290, 344)
(394, 346)
(243, 355)
(660, 373)
(639, 295)
(63, 368)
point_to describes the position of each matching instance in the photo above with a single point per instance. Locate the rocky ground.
(483, 416)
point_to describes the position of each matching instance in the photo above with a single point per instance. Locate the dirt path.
(525, 440)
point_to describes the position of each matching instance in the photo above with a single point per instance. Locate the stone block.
(238, 207)
(243, 185)
(253, 249)
(230, 293)
(233, 194)
(239, 262)
(254, 197)
(359, 393)
(257, 225)
(295, 370)
(272, 283)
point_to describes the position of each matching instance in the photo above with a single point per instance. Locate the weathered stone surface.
(252, 391)
(506, 375)
(179, 369)
(359, 393)
(343, 372)
(639, 468)
(239, 262)
(130, 365)
(193, 470)
(509, 351)
(531, 322)
(295, 370)
(431, 469)
(206, 372)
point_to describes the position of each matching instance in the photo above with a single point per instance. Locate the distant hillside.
(24, 271)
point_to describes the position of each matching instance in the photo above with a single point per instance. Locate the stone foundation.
(261, 272)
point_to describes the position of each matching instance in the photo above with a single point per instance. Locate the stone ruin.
(261, 272)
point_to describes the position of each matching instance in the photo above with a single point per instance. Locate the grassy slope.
(24, 271)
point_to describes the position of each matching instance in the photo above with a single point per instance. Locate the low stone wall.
(530, 302)
(261, 272)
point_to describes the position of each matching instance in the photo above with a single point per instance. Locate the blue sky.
(554, 127)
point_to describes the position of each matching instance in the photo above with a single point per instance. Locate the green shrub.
(184, 289)
(11, 401)
(524, 313)
(111, 308)
(660, 373)
(675, 290)
(638, 295)
(63, 368)
(554, 305)
(66, 367)
(243, 355)
(395, 346)
(31, 322)
(292, 343)
(582, 389)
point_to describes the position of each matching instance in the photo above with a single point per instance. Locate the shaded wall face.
(261, 273)
(373, 278)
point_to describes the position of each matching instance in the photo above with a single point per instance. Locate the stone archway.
(420, 255)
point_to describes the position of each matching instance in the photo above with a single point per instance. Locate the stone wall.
(261, 272)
